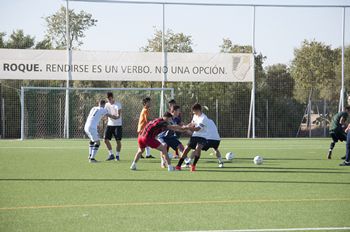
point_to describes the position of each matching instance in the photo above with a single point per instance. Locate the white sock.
(110, 152)
(118, 152)
(90, 149)
(147, 151)
(133, 164)
(189, 161)
(94, 151)
(170, 166)
(220, 160)
(163, 161)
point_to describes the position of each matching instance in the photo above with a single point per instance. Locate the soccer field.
(49, 185)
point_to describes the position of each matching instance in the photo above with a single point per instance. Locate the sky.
(126, 27)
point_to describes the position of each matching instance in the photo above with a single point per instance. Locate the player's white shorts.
(92, 133)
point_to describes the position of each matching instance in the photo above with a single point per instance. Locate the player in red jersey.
(148, 134)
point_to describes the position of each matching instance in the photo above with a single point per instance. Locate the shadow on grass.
(181, 181)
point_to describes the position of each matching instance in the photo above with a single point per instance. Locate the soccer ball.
(229, 156)
(258, 160)
(170, 155)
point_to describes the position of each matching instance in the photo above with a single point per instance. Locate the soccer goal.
(52, 113)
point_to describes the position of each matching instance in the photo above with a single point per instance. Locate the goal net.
(48, 114)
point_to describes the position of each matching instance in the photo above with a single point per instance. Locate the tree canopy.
(314, 65)
(173, 42)
(78, 23)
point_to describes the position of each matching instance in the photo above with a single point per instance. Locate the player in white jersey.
(198, 138)
(114, 127)
(213, 141)
(95, 116)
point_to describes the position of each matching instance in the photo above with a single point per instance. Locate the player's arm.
(118, 114)
(347, 129)
(177, 128)
(343, 122)
(111, 116)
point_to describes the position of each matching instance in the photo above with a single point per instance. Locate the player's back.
(95, 116)
(335, 120)
(153, 128)
(212, 131)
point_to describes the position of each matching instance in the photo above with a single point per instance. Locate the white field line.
(288, 229)
(222, 147)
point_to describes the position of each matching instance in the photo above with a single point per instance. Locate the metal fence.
(277, 30)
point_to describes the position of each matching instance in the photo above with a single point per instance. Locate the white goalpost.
(45, 113)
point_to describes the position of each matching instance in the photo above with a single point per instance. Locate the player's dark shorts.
(171, 142)
(211, 144)
(115, 131)
(338, 135)
(178, 134)
(196, 140)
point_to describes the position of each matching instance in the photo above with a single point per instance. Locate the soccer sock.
(133, 163)
(331, 147)
(110, 152)
(163, 160)
(147, 151)
(91, 144)
(180, 162)
(118, 152)
(94, 151)
(170, 166)
(176, 152)
(189, 161)
(220, 160)
(196, 158)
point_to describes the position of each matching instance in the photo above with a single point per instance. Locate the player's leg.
(218, 155)
(187, 149)
(106, 138)
(138, 155)
(331, 147)
(347, 156)
(91, 143)
(201, 142)
(118, 134)
(162, 148)
(215, 145)
(189, 160)
(94, 151)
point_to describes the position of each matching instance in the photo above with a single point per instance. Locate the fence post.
(267, 118)
(324, 118)
(309, 118)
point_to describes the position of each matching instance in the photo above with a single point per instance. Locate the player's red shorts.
(151, 142)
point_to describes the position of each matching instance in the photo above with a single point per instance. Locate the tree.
(2, 42)
(279, 80)
(314, 65)
(78, 23)
(17, 40)
(174, 42)
(46, 44)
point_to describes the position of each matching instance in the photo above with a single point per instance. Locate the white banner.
(125, 66)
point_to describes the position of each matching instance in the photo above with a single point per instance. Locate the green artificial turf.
(49, 185)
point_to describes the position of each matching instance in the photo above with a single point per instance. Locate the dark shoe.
(344, 164)
(150, 156)
(329, 156)
(117, 158)
(111, 157)
(343, 158)
(142, 157)
(93, 161)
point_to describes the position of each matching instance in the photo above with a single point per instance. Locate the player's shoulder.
(117, 104)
